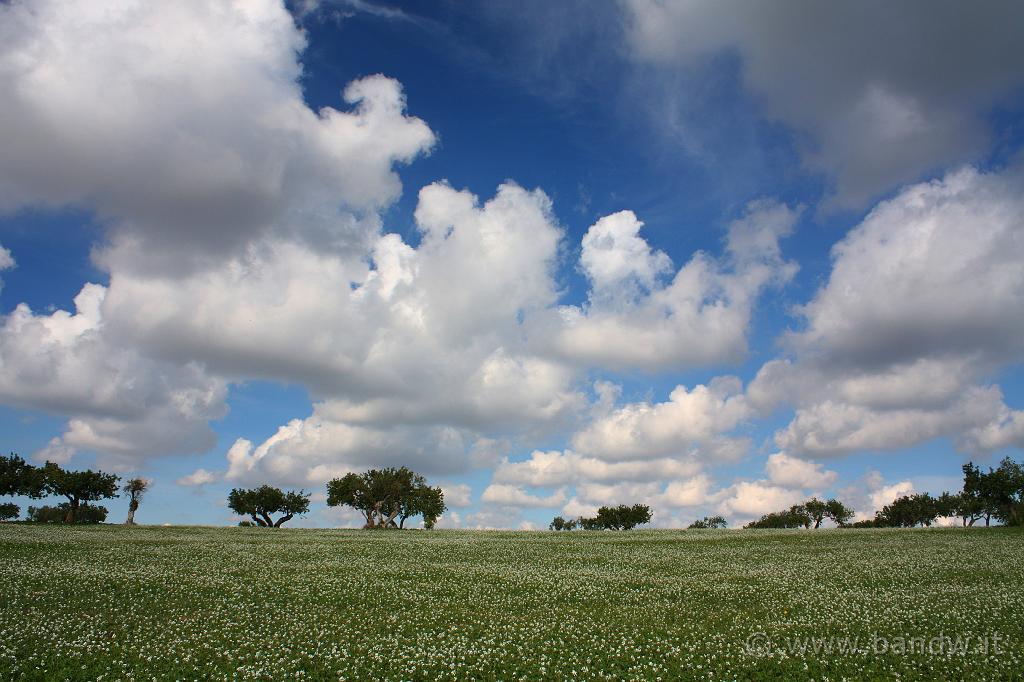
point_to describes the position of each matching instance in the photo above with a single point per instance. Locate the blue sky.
(708, 256)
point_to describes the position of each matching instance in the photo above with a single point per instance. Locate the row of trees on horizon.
(622, 517)
(80, 488)
(995, 495)
(388, 498)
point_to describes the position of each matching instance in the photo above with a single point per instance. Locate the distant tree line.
(995, 495)
(708, 522)
(386, 498)
(810, 514)
(80, 488)
(622, 517)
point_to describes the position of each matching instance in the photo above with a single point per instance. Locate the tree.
(80, 487)
(260, 503)
(794, 517)
(709, 522)
(422, 500)
(17, 477)
(8, 511)
(135, 488)
(86, 513)
(810, 514)
(1006, 488)
(979, 498)
(838, 512)
(383, 495)
(815, 510)
(948, 504)
(969, 507)
(909, 511)
(622, 517)
(558, 523)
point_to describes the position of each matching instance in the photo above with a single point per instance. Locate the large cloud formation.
(244, 241)
(700, 317)
(184, 126)
(880, 92)
(121, 403)
(925, 300)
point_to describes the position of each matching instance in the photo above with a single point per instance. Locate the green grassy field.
(203, 603)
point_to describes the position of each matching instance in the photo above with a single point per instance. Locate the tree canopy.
(622, 517)
(79, 487)
(708, 522)
(810, 514)
(260, 503)
(18, 477)
(8, 511)
(558, 523)
(384, 495)
(86, 513)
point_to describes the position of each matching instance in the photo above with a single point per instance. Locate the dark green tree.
(838, 512)
(794, 517)
(810, 514)
(909, 511)
(79, 487)
(558, 523)
(18, 477)
(972, 506)
(622, 517)
(948, 504)
(1006, 489)
(709, 522)
(86, 513)
(969, 507)
(260, 503)
(816, 511)
(8, 511)
(995, 495)
(423, 501)
(383, 495)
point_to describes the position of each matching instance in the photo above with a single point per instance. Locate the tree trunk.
(267, 520)
(132, 506)
(286, 517)
(390, 521)
(72, 510)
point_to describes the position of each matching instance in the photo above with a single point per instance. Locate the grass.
(110, 602)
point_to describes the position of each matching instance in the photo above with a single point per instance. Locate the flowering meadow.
(109, 602)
